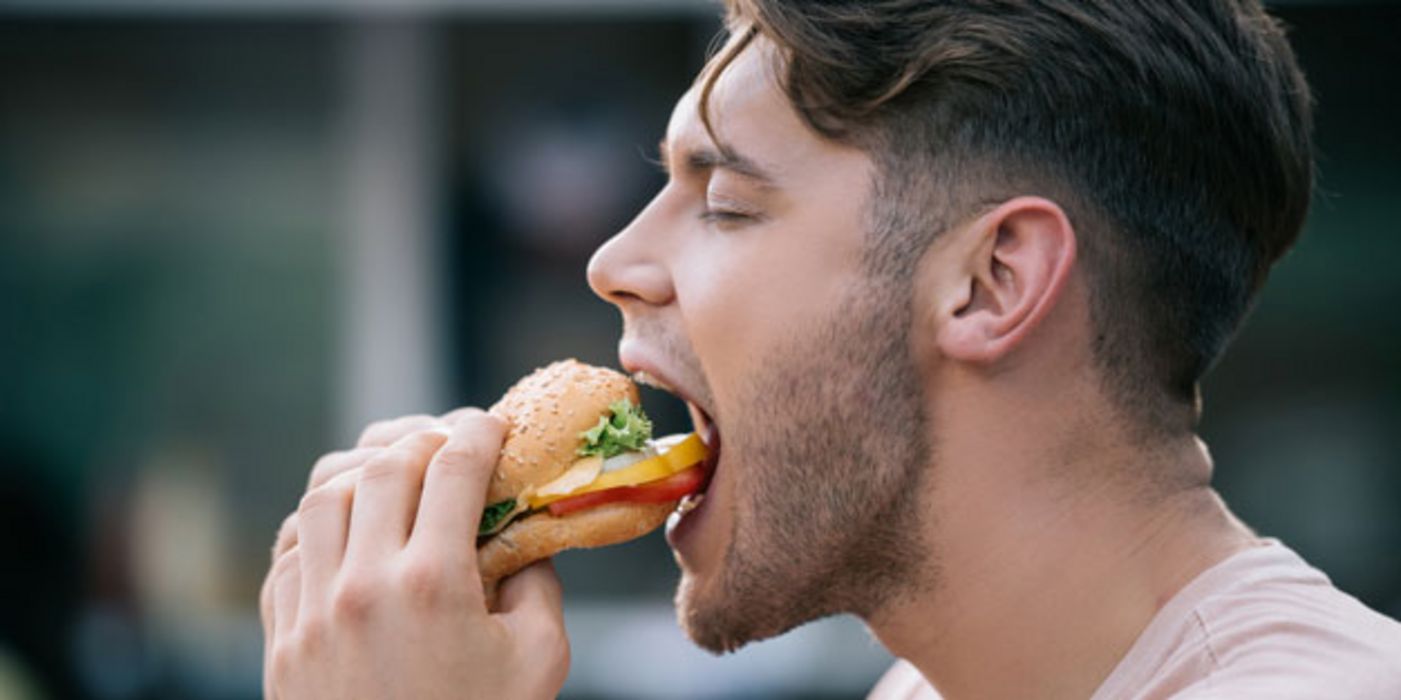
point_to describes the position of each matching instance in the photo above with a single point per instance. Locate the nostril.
(619, 274)
(622, 299)
(646, 283)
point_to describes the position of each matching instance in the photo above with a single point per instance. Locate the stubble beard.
(829, 458)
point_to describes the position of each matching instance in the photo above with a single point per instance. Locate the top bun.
(547, 410)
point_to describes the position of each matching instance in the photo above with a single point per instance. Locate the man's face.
(743, 288)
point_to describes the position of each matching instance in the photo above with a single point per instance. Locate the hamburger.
(578, 468)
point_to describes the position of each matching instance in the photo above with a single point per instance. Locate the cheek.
(741, 293)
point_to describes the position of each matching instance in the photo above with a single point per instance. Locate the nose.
(630, 268)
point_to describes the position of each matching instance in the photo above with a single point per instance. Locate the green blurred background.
(233, 233)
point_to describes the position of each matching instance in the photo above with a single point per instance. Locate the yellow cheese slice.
(581, 474)
(687, 453)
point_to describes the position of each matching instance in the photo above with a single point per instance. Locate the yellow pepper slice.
(686, 453)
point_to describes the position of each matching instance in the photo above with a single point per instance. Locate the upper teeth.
(644, 378)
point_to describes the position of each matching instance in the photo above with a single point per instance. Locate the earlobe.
(1012, 274)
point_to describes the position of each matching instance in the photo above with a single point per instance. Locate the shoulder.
(1290, 633)
(1263, 623)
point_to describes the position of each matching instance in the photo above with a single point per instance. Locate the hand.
(374, 590)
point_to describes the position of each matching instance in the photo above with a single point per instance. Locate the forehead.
(750, 113)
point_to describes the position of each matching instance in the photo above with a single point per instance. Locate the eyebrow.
(703, 160)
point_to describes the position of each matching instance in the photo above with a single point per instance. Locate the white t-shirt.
(1260, 624)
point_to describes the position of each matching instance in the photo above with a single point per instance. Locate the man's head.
(1176, 135)
(1153, 154)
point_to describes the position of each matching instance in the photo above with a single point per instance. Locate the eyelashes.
(724, 216)
(655, 159)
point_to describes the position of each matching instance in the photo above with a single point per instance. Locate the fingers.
(531, 604)
(454, 488)
(323, 518)
(452, 417)
(334, 463)
(536, 587)
(287, 590)
(286, 537)
(387, 432)
(387, 495)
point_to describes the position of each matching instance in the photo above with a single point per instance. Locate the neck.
(1049, 561)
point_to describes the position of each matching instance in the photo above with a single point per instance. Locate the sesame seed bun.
(547, 410)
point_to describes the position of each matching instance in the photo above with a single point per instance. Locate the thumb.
(532, 607)
(532, 591)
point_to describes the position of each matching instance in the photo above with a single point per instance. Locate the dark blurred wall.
(166, 193)
(1303, 412)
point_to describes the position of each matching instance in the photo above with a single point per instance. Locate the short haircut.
(1176, 134)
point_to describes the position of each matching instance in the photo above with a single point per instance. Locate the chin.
(720, 629)
(721, 610)
(703, 605)
(700, 618)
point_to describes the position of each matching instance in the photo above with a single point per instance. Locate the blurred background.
(232, 233)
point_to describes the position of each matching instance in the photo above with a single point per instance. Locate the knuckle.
(464, 456)
(354, 599)
(285, 532)
(265, 599)
(368, 434)
(381, 467)
(455, 415)
(423, 582)
(409, 451)
(321, 497)
(488, 423)
(326, 461)
(282, 660)
(288, 526)
(388, 463)
(421, 440)
(389, 430)
(326, 465)
(288, 562)
(311, 634)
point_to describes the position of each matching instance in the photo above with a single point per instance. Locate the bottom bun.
(539, 536)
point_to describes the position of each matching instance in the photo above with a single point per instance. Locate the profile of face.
(743, 286)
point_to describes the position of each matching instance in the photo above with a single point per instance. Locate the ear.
(1012, 272)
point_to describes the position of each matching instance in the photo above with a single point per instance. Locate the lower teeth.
(689, 503)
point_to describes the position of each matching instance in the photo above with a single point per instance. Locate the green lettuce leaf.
(492, 515)
(628, 429)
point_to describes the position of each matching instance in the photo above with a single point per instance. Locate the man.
(945, 276)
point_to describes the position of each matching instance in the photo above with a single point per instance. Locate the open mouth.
(710, 434)
(705, 427)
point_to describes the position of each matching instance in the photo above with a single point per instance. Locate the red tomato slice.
(669, 489)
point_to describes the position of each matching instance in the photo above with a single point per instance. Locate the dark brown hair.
(1175, 133)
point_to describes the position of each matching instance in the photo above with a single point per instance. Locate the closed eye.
(723, 216)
